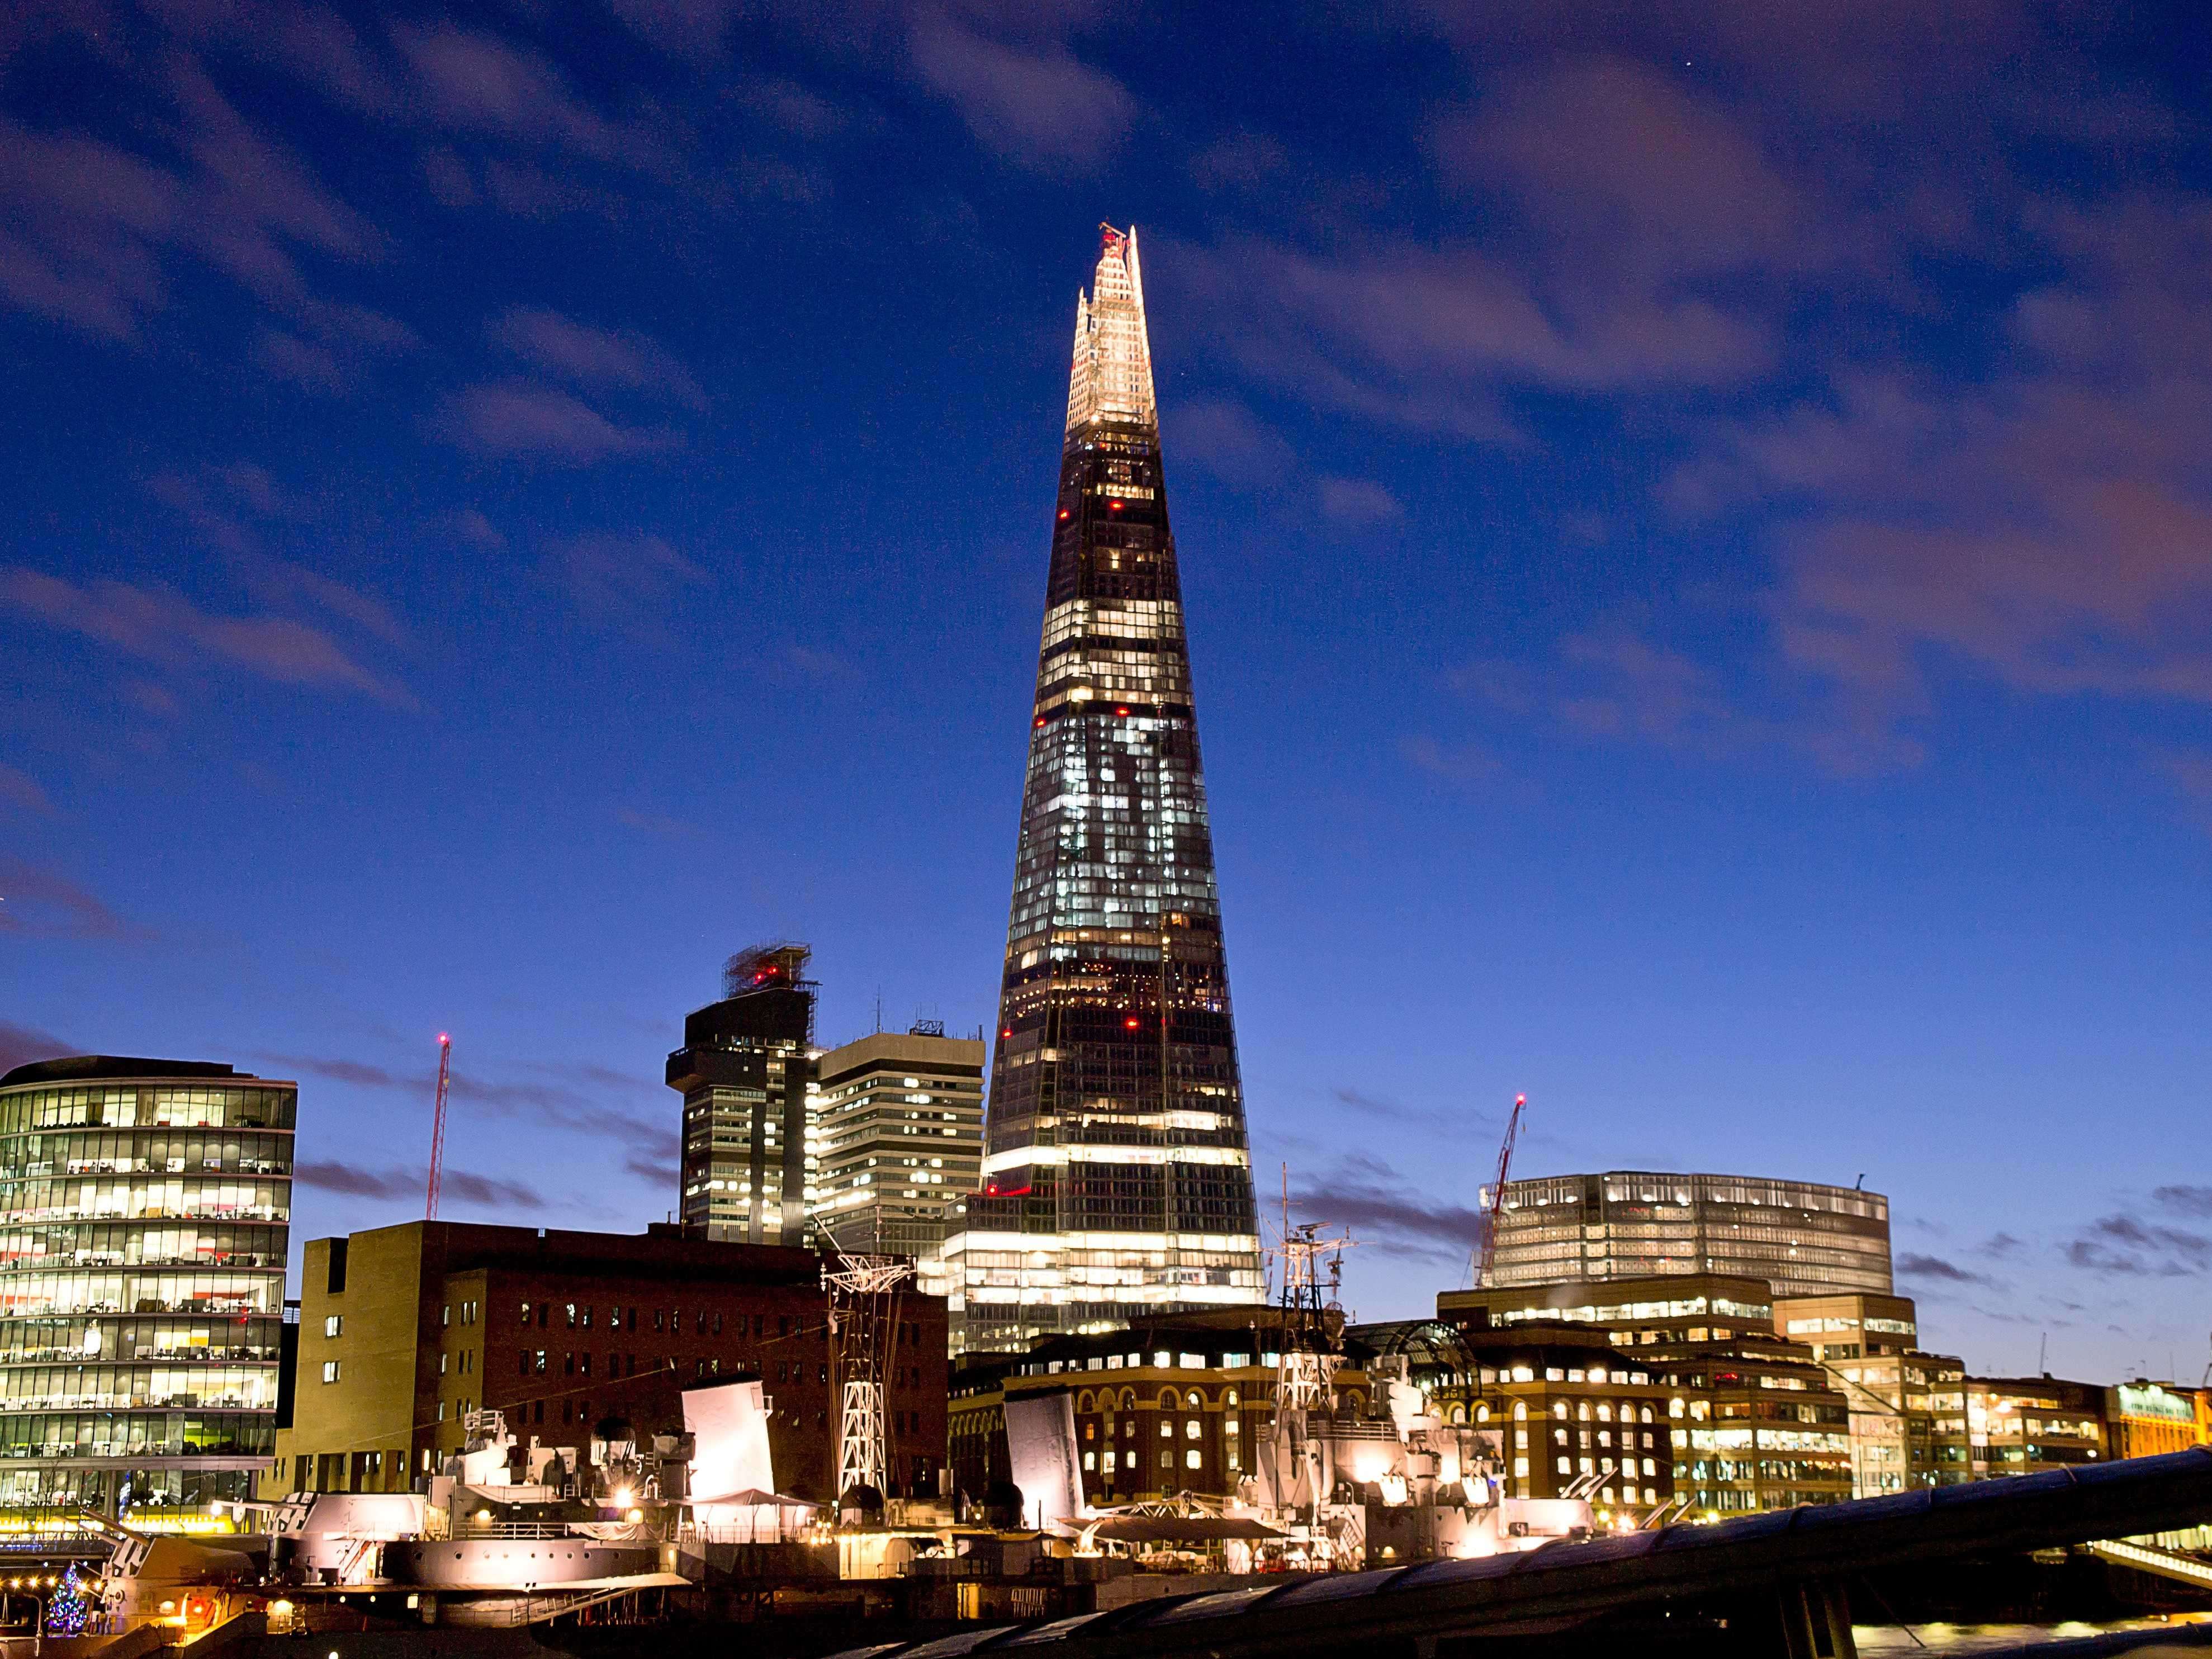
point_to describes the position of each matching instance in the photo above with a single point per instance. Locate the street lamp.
(32, 1587)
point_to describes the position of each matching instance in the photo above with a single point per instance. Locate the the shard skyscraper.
(1117, 1181)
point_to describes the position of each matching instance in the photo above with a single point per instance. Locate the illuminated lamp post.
(31, 1587)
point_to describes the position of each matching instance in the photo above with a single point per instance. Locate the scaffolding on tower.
(863, 1291)
(438, 1126)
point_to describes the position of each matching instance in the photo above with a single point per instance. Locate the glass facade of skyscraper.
(1116, 1178)
(147, 1207)
(1804, 1238)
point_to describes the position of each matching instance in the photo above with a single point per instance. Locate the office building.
(2024, 1424)
(1804, 1239)
(1566, 1404)
(1908, 1409)
(746, 1071)
(899, 1140)
(2144, 1418)
(1117, 1179)
(1180, 1404)
(405, 1330)
(1755, 1423)
(147, 1207)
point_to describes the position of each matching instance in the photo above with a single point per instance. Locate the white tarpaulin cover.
(728, 1425)
(1040, 1443)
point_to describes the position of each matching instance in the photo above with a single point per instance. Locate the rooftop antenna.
(438, 1126)
(2043, 1355)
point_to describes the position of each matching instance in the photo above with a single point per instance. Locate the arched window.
(1195, 1400)
(1167, 1399)
(1482, 1413)
(1520, 1411)
(1645, 1414)
(1230, 1398)
(1459, 1415)
(1083, 1402)
(1604, 1412)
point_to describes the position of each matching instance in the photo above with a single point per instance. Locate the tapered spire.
(1111, 379)
(1117, 1177)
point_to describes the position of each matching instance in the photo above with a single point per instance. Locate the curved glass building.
(1803, 1237)
(145, 1208)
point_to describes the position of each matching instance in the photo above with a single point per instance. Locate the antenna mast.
(438, 1125)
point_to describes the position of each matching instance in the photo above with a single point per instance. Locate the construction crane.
(438, 1125)
(1485, 1242)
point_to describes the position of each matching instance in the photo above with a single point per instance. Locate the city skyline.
(1700, 613)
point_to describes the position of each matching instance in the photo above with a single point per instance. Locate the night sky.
(1694, 519)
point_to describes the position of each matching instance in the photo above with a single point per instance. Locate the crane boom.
(438, 1125)
(1486, 1243)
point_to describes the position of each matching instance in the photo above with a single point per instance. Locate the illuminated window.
(1191, 1458)
(333, 1324)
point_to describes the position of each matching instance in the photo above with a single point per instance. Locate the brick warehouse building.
(404, 1329)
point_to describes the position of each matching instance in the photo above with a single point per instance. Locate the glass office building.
(746, 1071)
(1117, 1184)
(1804, 1238)
(146, 1206)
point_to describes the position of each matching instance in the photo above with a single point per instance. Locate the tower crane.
(438, 1125)
(1485, 1242)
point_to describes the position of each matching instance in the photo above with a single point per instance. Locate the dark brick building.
(406, 1329)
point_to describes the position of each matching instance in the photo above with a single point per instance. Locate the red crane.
(1486, 1239)
(438, 1126)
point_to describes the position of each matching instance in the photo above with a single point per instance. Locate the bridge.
(1769, 1586)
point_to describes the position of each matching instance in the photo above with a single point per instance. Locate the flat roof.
(85, 1068)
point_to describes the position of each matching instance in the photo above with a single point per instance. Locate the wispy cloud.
(161, 625)
(596, 359)
(40, 903)
(1912, 1264)
(1034, 102)
(21, 1044)
(23, 792)
(626, 582)
(517, 420)
(1370, 1197)
(1358, 502)
(2122, 1245)
(556, 1105)
(484, 1192)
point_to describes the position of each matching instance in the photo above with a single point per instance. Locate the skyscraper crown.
(1112, 376)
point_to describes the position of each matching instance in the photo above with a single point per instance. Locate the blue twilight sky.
(1694, 518)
